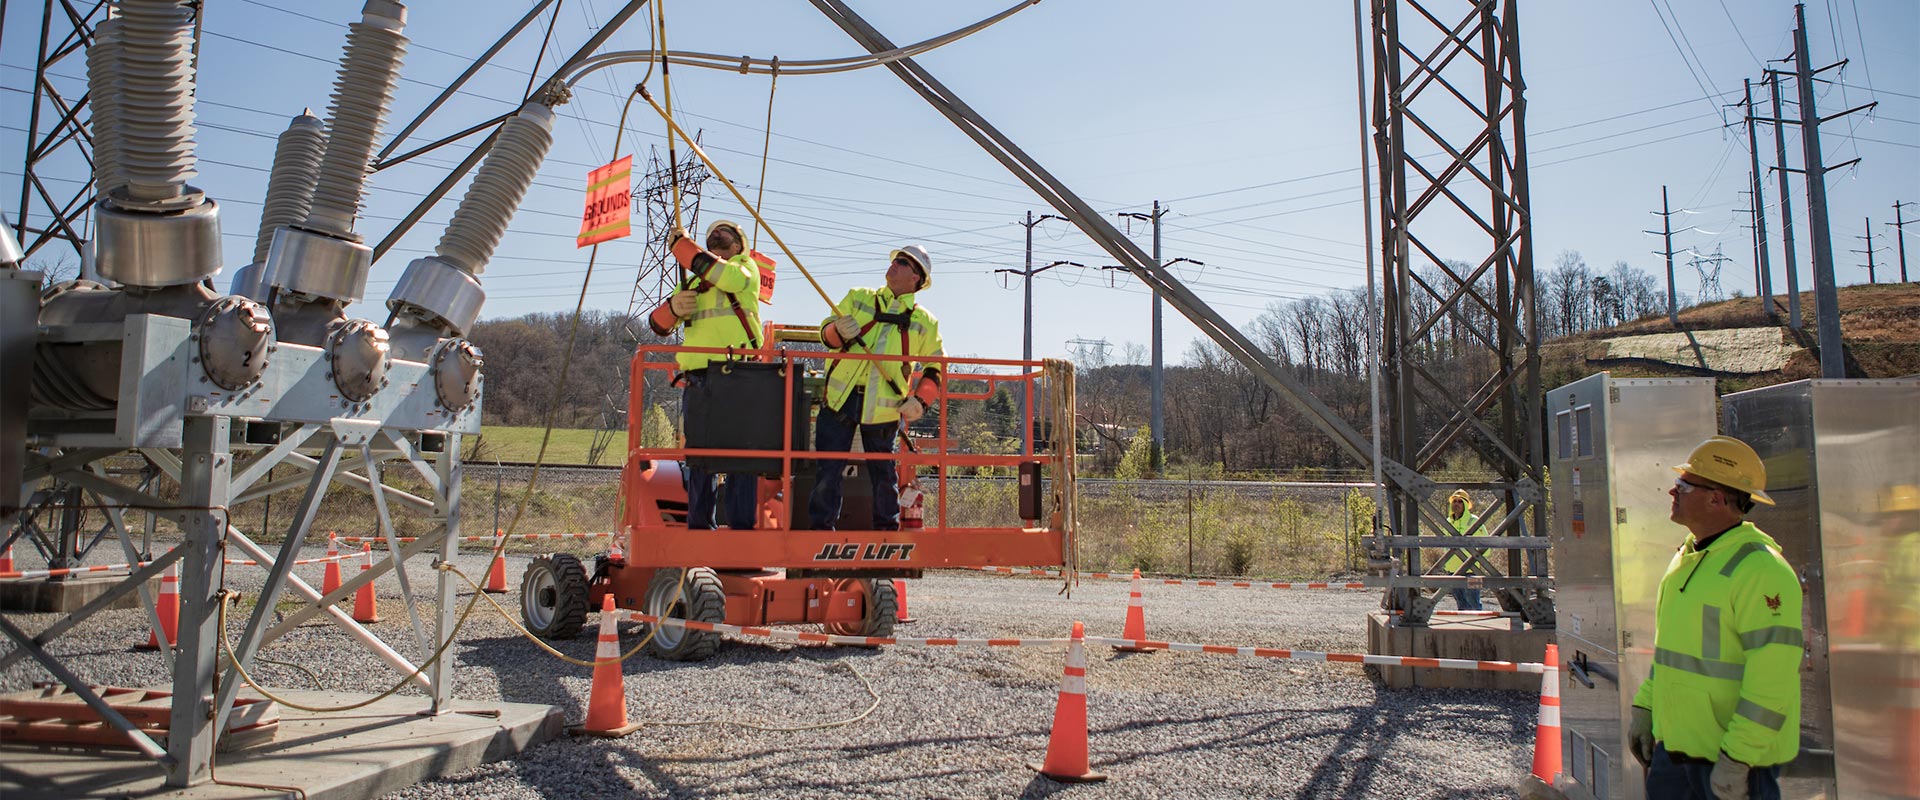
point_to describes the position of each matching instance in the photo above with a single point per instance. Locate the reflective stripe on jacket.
(1727, 649)
(713, 322)
(885, 382)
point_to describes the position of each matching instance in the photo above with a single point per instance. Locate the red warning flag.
(609, 203)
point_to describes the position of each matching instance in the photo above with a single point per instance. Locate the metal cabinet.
(1843, 464)
(1614, 442)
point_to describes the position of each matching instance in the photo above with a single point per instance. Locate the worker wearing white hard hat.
(873, 398)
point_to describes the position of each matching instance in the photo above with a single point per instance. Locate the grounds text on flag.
(609, 204)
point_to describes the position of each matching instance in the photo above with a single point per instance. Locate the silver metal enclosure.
(1843, 464)
(1613, 444)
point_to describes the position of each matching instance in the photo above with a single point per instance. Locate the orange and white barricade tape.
(1206, 583)
(29, 574)
(482, 538)
(1314, 655)
(301, 562)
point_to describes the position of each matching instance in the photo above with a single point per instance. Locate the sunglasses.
(1684, 486)
(906, 262)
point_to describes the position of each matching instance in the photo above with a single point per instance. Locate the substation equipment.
(148, 369)
(1843, 465)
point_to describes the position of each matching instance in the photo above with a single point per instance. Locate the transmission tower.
(1708, 267)
(657, 273)
(59, 133)
(1446, 79)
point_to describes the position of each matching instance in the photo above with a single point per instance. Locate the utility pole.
(1666, 234)
(1026, 342)
(1900, 237)
(1760, 260)
(1833, 363)
(1867, 241)
(1157, 380)
(1786, 207)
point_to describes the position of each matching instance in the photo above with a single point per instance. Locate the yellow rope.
(666, 89)
(695, 147)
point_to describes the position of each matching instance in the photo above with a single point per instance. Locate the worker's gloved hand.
(683, 303)
(911, 409)
(675, 235)
(1640, 735)
(1729, 778)
(847, 327)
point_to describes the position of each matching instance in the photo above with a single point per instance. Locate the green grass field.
(569, 445)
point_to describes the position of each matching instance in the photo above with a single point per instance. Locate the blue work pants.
(833, 433)
(1677, 777)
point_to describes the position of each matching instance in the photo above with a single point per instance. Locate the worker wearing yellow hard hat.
(1720, 711)
(1460, 516)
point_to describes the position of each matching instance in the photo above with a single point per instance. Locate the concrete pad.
(1478, 638)
(367, 752)
(62, 597)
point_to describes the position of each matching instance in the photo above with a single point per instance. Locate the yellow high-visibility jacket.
(714, 322)
(1727, 650)
(1461, 524)
(880, 312)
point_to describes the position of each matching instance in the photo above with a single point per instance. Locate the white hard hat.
(738, 233)
(919, 256)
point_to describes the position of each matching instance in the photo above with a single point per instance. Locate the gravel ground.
(950, 722)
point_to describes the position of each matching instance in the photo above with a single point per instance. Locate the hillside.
(1732, 342)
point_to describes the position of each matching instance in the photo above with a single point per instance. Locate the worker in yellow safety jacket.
(719, 303)
(1460, 516)
(1720, 711)
(874, 398)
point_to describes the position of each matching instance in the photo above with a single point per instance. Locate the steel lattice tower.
(1446, 81)
(59, 137)
(655, 277)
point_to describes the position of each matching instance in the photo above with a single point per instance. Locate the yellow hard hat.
(1461, 495)
(1731, 463)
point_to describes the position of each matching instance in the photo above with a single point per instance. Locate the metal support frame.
(45, 215)
(214, 467)
(1450, 81)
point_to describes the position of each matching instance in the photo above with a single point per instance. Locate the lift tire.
(882, 610)
(701, 599)
(553, 596)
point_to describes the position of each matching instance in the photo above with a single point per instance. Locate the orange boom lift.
(779, 573)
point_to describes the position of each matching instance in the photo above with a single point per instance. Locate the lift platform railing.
(1047, 534)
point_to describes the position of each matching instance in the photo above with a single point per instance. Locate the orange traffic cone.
(607, 701)
(330, 578)
(366, 607)
(1067, 747)
(1546, 742)
(614, 553)
(1136, 627)
(900, 601)
(6, 558)
(168, 604)
(497, 572)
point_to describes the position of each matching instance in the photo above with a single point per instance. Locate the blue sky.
(1239, 115)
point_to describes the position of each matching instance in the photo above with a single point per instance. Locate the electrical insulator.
(496, 191)
(103, 94)
(296, 166)
(362, 95)
(156, 101)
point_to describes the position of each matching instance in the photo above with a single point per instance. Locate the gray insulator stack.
(103, 94)
(296, 167)
(362, 94)
(156, 100)
(496, 191)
